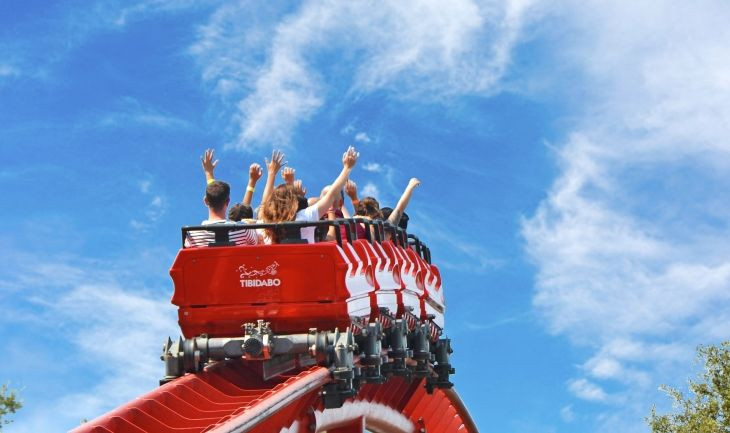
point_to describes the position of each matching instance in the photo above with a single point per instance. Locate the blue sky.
(574, 159)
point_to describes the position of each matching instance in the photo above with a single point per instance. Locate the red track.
(230, 397)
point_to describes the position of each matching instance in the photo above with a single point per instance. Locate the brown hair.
(217, 194)
(369, 207)
(281, 206)
(240, 211)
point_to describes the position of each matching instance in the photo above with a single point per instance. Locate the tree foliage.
(707, 409)
(9, 403)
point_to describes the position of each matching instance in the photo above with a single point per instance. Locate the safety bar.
(380, 228)
(222, 231)
(398, 235)
(368, 232)
(420, 248)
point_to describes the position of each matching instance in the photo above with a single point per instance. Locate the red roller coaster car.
(344, 323)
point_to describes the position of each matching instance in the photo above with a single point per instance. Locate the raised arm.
(395, 216)
(254, 174)
(349, 158)
(273, 167)
(351, 191)
(208, 165)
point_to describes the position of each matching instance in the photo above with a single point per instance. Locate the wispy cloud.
(109, 321)
(458, 252)
(487, 325)
(385, 175)
(153, 211)
(8, 71)
(567, 414)
(370, 190)
(362, 137)
(267, 69)
(116, 330)
(49, 41)
(131, 11)
(144, 186)
(587, 390)
(629, 241)
(131, 111)
(372, 167)
(99, 314)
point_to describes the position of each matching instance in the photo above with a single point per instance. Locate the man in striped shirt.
(217, 198)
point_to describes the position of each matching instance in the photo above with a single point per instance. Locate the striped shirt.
(201, 238)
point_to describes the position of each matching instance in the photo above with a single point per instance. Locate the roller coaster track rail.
(229, 396)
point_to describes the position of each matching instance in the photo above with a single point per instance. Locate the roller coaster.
(340, 336)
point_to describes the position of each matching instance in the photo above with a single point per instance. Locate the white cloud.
(370, 190)
(130, 111)
(605, 366)
(110, 331)
(348, 129)
(265, 66)
(629, 243)
(37, 53)
(138, 225)
(567, 414)
(153, 211)
(586, 390)
(8, 71)
(372, 167)
(496, 323)
(144, 186)
(459, 253)
(120, 330)
(137, 10)
(362, 137)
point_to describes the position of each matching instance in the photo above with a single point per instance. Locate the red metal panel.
(226, 320)
(401, 402)
(162, 413)
(181, 406)
(293, 286)
(446, 419)
(119, 425)
(439, 411)
(417, 400)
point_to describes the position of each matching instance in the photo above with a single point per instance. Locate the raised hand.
(255, 172)
(273, 166)
(413, 183)
(277, 160)
(349, 158)
(299, 188)
(351, 189)
(288, 175)
(207, 161)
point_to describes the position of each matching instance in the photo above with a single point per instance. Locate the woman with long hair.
(283, 203)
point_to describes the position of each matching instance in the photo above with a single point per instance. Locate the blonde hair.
(281, 206)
